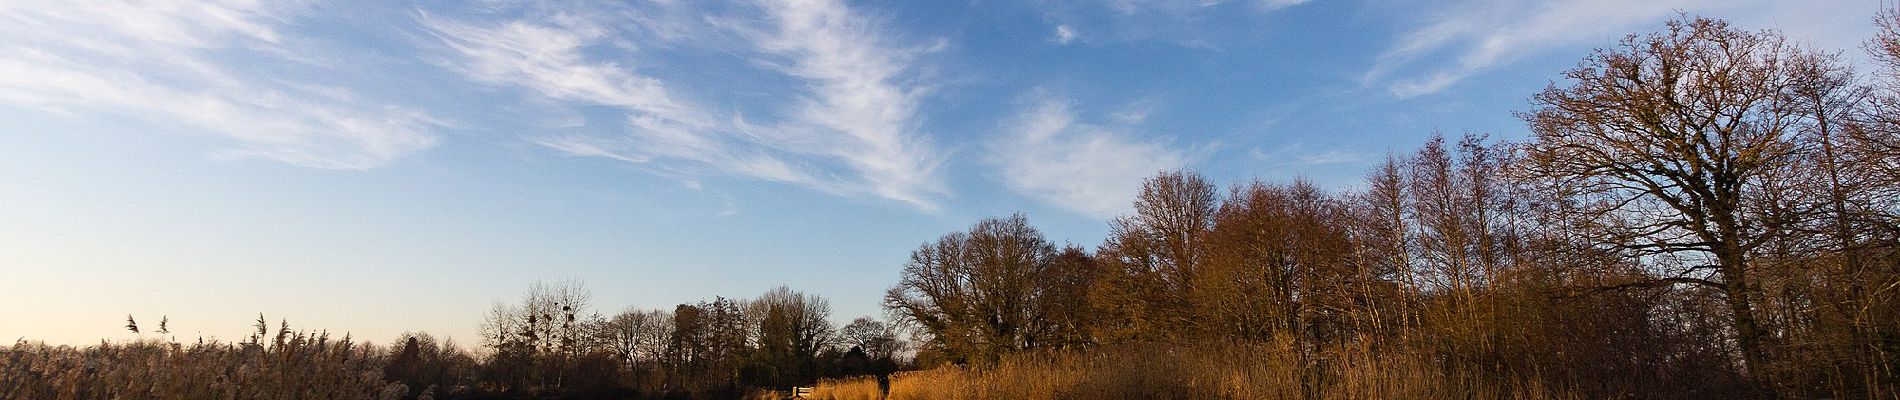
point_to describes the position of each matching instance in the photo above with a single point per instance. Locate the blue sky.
(374, 167)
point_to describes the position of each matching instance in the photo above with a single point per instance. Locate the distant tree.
(708, 346)
(1070, 318)
(1279, 264)
(878, 340)
(1383, 232)
(1150, 258)
(553, 325)
(509, 367)
(793, 329)
(687, 352)
(638, 339)
(556, 316)
(978, 293)
(424, 364)
(1881, 132)
(1452, 204)
(1461, 222)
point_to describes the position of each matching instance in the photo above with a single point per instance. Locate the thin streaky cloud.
(154, 61)
(863, 105)
(1330, 157)
(1488, 35)
(547, 58)
(1478, 37)
(850, 128)
(1184, 23)
(1279, 4)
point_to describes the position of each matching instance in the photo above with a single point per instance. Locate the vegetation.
(1209, 370)
(550, 345)
(1701, 212)
(289, 365)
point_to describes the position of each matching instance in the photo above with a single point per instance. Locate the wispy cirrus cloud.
(1182, 8)
(547, 58)
(850, 126)
(1190, 23)
(862, 105)
(1046, 153)
(1469, 39)
(1298, 154)
(1279, 4)
(1479, 37)
(168, 62)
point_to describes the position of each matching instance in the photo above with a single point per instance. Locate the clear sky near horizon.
(373, 167)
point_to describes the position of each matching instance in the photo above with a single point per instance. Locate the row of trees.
(1699, 211)
(551, 343)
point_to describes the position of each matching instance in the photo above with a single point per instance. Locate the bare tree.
(1384, 235)
(877, 339)
(793, 328)
(1151, 258)
(1068, 318)
(638, 337)
(1279, 264)
(977, 293)
(1675, 129)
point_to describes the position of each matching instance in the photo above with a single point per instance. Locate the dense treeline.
(550, 345)
(1699, 212)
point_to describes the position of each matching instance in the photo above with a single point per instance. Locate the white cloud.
(862, 110)
(1186, 23)
(1479, 36)
(1330, 157)
(1135, 112)
(154, 60)
(1065, 34)
(1175, 7)
(548, 60)
(1184, 8)
(851, 131)
(1094, 170)
(1279, 4)
(546, 57)
(1299, 154)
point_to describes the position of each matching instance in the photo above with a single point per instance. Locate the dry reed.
(1203, 371)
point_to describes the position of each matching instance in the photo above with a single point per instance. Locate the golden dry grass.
(1209, 371)
(861, 387)
(296, 366)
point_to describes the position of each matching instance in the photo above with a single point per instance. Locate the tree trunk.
(1742, 309)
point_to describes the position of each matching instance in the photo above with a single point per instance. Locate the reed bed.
(296, 366)
(1200, 371)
